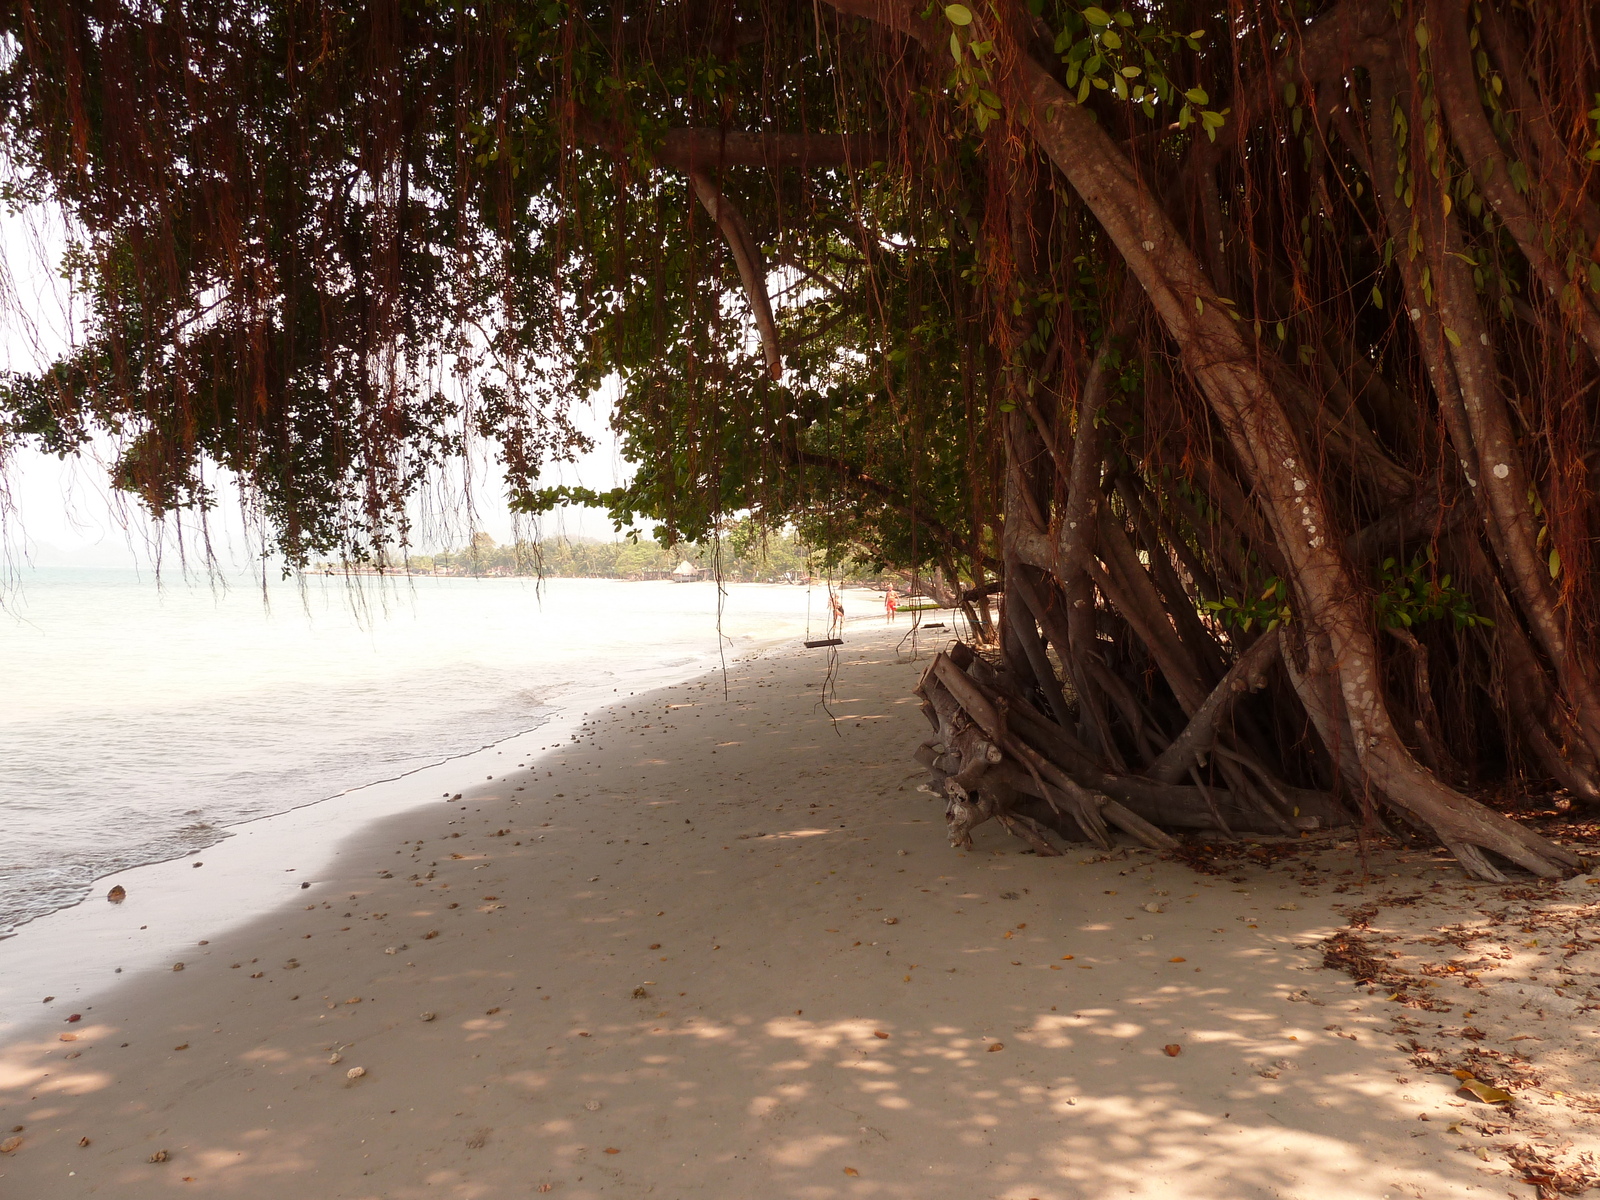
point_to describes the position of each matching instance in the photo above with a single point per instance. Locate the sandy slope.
(722, 951)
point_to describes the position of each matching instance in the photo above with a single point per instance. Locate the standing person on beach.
(890, 602)
(836, 606)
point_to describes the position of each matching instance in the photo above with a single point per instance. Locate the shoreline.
(152, 722)
(723, 949)
(83, 949)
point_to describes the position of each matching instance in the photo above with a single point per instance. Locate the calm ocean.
(137, 722)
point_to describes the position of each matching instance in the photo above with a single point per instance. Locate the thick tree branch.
(747, 255)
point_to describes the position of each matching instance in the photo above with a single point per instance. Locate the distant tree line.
(744, 554)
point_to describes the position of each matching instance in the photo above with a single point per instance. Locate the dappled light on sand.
(699, 983)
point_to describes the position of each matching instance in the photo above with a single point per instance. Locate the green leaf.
(955, 47)
(1423, 37)
(1452, 336)
(1377, 298)
(1196, 95)
(1097, 16)
(1111, 39)
(958, 14)
(1555, 563)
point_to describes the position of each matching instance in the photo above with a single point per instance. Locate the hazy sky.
(63, 512)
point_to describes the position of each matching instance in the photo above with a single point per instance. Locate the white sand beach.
(718, 948)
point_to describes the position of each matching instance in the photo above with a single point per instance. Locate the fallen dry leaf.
(1180, 958)
(879, 1033)
(1172, 1049)
(997, 1046)
(10, 1145)
(185, 1046)
(851, 1171)
(613, 1150)
(1488, 1093)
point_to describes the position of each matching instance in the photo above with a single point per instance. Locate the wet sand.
(720, 948)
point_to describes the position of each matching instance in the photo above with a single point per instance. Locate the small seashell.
(1153, 907)
(355, 1072)
(891, 920)
(83, 1141)
(997, 1046)
(335, 1059)
(391, 949)
(592, 1105)
(640, 994)
(10, 1145)
(1291, 907)
(429, 1016)
(159, 1156)
(117, 894)
(177, 966)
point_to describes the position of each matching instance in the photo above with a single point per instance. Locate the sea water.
(137, 721)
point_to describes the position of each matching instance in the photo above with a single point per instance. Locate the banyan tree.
(1246, 349)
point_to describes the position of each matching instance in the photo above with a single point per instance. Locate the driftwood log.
(994, 755)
